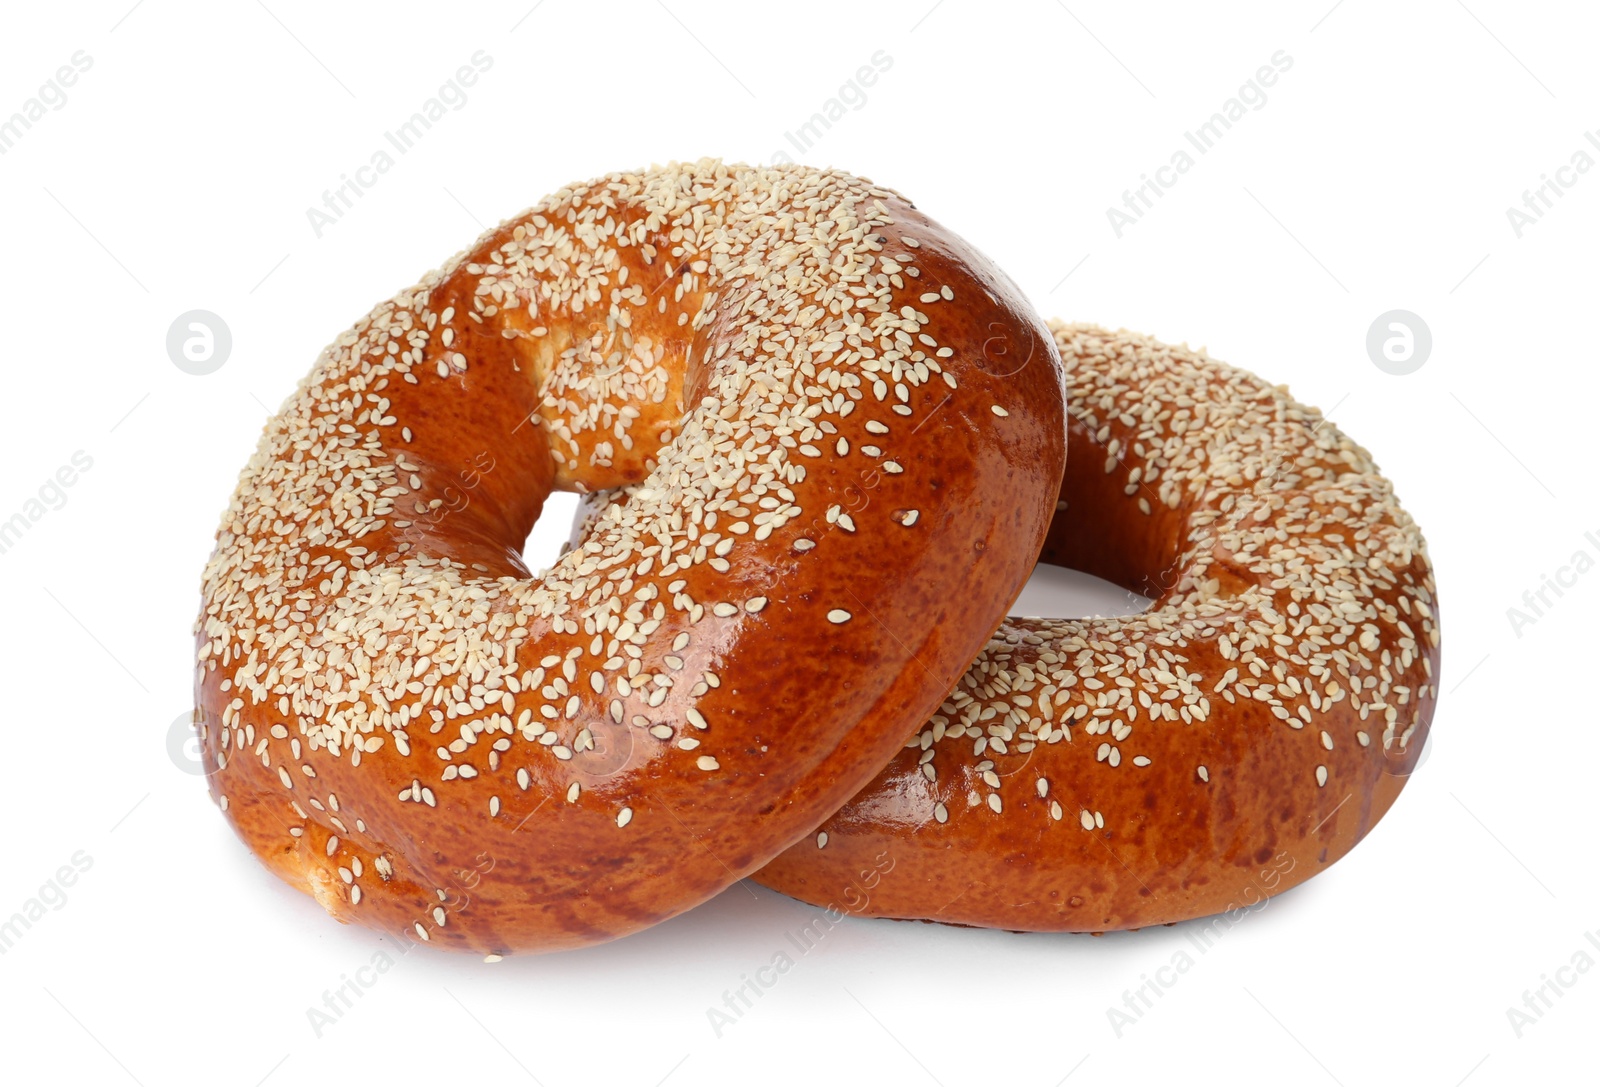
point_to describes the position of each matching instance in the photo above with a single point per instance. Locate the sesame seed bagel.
(1232, 741)
(832, 408)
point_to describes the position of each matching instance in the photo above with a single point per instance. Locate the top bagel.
(836, 409)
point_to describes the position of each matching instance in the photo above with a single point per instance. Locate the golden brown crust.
(1231, 742)
(407, 725)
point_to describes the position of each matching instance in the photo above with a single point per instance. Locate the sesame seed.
(838, 615)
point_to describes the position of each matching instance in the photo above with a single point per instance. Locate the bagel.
(1232, 741)
(833, 408)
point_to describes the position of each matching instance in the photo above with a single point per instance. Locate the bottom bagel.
(1230, 742)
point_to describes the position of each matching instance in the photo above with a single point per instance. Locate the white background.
(177, 175)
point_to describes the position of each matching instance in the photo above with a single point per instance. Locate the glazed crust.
(405, 723)
(1231, 742)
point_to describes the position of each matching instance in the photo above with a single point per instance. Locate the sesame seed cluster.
(718, 337)
(1291, 647)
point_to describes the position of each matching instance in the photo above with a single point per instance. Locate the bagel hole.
(551, 532)
(1059, 592)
